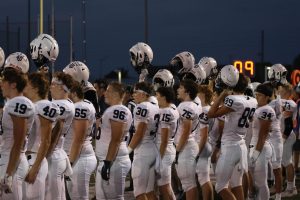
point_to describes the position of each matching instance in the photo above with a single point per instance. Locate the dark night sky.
(226, 30)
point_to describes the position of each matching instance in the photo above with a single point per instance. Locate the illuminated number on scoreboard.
(246, 67)
(295, 77)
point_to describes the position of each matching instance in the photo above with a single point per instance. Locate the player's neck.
(35, 99)
(14, 93)
(164, 105)
(116, 102)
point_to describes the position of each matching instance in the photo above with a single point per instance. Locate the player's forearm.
(14, 157)
(214, 107)
(182, 141)
(135, 141)
(56, 132)
(44, 146)
(262, 136)
(113, 149)
(203, 139)
(164, 141)
(138, 136)
(76, 145)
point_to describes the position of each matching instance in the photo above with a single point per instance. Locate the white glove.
(129, 150)
(6, 184)
(143, 75)
(253, 158)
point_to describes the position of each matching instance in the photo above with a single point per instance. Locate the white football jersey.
(84, 110)
(237, 121)
(204, 122)
(168, 119)
(289, 106)
(187, 110)
(47, 110)
(119, 113)
(67, 112)
(148, 113)
(153, 100)
(197, 101)
(19, 106)
(276, 104)
(262, 113)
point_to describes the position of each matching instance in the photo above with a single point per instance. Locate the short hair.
(288, 88)
(190, 87)
(167, 92)
(77, 89)
(242, 84)
(206, 89)
(66, 79)
(144, 86)
(101, 83)
(265, 88)
(40, 82)
(118, 88)
(12, 75)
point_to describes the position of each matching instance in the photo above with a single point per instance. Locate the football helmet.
(196, 73)
(141, 54)
(210, 67)
(277, 74)
(163, 78)
(227, 77)
(17, 61)
(254, 85)
(183, 62)
(78, 70)
(44, 49)
(2, 57)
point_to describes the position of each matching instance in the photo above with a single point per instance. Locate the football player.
(260, 148)
(205, 148)
(78, 145)
(277, 77)
(57, 158)
(289, 137)
(111, 148)
(146, 118)
(237, 108)
(186, 146)
(17, 119)
(45, 115)
(165, 138)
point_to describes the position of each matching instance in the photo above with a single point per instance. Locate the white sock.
(294, 185)
(278, 196)
(290, 185)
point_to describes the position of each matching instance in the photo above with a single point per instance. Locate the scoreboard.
(245, 67)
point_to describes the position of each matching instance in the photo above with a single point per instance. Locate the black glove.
(105, 171)
(176, 158)
(197, 157)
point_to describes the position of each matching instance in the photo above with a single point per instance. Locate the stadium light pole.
(41, 16)
(146, 20)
